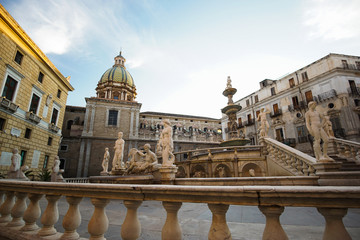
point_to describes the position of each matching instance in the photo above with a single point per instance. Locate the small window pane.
(41, 77)
(9, 88)
(46, 160)
(18, 57)
(49, 141)
(34, 103)
(23, 156)
(2, 124)
(54, 116)
(59, 93)
(27, 133)
(112, 118)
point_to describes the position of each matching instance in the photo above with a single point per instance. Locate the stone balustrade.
(346, 149)
(295, 161)
(77, 180)
(19, 219)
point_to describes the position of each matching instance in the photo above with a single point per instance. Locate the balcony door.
(308, 96)
(279, 135)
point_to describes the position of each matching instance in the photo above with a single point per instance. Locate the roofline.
(178, 115)
(11, 22)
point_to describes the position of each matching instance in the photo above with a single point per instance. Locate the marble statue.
(314, 125)
(221, 171)
(167, 145)
(105, 162)
(328, 126)
(264, 125)
(252, 172)
(119, 153)
(228, 84)
(56, 174)
(16, 171)
(142, 162)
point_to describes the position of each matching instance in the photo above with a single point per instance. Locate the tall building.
(33, 99)
(332, 82)
(88, 131)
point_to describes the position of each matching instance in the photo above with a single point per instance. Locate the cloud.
(332, 19)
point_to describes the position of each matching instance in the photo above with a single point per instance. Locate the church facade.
(87, 131)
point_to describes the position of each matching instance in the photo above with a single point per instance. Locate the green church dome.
(117, 73)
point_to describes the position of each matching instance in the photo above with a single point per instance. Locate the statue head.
(120, 134)
(15, 151)
(166, 122)
(147, 146)
(312, 105)
(106, 149)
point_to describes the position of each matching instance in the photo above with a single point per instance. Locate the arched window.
(69, 123)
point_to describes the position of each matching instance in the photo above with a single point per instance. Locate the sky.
(180, 52)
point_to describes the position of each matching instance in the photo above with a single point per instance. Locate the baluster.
(50, 216)
(357, 156)
(341, 148)
(131, 228)
(353, 151)
(273, 229)
(219, 228)
(305, 168)
(72, 218)
(347, 151)
(2, 194)
(18, 210)
(299, 166)
(32, 213)
(99, 222)
(287, 160)
(6, 207)
(334, 228)
(311, 170)
(171, 229)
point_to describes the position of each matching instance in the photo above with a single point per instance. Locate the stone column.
(81, 159)
(6, 207)
(92, 118)
(32, 213)
(131, 228)
(219, 228)
(171, 229)
(50, 216)
(131, 134)
(99, 222)
(18, 210)
(334, 228)
(273, 229)
(72, 219)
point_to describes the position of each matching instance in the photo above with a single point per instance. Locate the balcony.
(276, 114)
(8, 105)
(53, 127)
(326, 95)
(249, 122)
(240, 125)
(350, 66)
(33, 117)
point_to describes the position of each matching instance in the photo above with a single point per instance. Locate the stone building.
(33, 99)
(88, 130)
(332, 81)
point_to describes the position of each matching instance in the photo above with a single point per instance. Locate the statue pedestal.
(327, 166)
(168, 174)
(104, 173)
(119, 171)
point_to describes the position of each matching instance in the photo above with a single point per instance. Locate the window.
(256, 98)
(304, 76)
(64, 147)
(308, 96)
(247, 102)
(69, 124)
(62, 163)
(49, 141)
(23, 157)
(58, 93)
(54, 116)
(345, 64)
(113, 115)
(34, 104)
(40, 77)
(18, 57)
(27, 133)
(249, 118)
(292, 82)
(295, 102)
(273, 91)
(46, 160)
(10, 88)
(357, 65)
(2, 124)
(276, 108)
(302, 134)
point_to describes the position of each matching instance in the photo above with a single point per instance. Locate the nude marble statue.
(56, 174)
(119, 153)
(264, 125)
(315, 125)
(328, 126)
(16, 171)
(105, 162)
(142, 162)
(167, 145)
